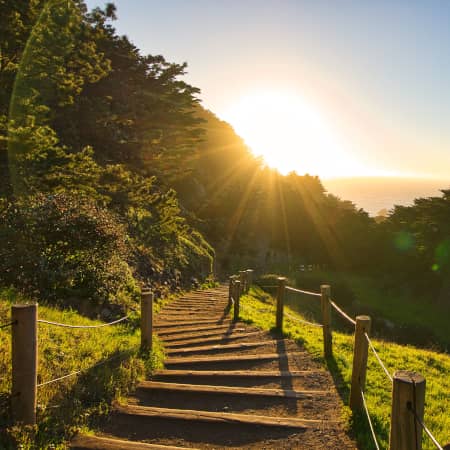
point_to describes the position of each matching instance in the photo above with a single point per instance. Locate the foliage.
(63, 247)
(79, 401)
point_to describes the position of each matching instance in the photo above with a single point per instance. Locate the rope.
(81, 370)
(425, 428)
(290, 316)
(57, 324)
(8, 324)
(342, 313)
(300, 291)
(378, 357)
(369, 420)
(273, 286)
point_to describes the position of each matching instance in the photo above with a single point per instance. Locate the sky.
(368, 82)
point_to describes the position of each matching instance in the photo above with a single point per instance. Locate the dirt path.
(225, 385)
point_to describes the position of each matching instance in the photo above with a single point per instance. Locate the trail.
(225, 385)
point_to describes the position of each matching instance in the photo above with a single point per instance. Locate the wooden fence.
(408, 388)
(24, 345)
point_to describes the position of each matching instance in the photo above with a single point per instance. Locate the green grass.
(258, 308)
(416, 319)
(78, 402)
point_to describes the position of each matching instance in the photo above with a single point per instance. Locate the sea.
(380, 194)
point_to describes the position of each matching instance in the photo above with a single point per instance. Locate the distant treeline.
(112, 171)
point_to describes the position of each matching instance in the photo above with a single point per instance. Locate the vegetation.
(257, 307)
(110, 364)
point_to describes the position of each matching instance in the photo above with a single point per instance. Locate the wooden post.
(24, 363)
(243, 280)
(280, 303)
(249, 278)
(360, 351)
(237, 295)
(325, 291)
(146, 320)
(230, 290)
(408, 391)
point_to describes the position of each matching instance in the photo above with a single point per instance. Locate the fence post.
(146, 320)
(243, 280)
(230, 290)
(360, 352)
(237, 295)
(325, 291)
(24, 363)
(249, 278)
(280, 303)
(408, 391)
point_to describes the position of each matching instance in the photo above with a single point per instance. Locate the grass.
(79, 402)
(414, 319)
(258, 308)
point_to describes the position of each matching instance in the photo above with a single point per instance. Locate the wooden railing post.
(24, 363)
(249, 278)
(230, 290)
(360, 351)
(280, 303)
(325, 291)
(146, 320)
(408, 392)
(243, 280)
(237, 295)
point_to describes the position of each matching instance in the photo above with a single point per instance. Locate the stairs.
(225, 385)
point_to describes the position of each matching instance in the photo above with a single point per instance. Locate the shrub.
(64, 247)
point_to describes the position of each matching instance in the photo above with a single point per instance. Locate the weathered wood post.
(408, 393)
(237, 295)
(325, 291)
(230, 290)
(146, 320)
(243, 280)
(24, 363)
(360, 352)
(249, 278)
(280, 303)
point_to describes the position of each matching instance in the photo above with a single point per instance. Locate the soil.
(323, 406)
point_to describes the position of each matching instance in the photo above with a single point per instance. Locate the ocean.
(374, 194)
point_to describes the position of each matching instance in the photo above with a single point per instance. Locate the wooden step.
(233, 373)
(229, 358)
(228, 390)
(183, 318)
(218, 347)
(218, 338)
(173, 330)
(213, 333)
(192, 309)
(223, 418)
(178, 323)
(83, 441)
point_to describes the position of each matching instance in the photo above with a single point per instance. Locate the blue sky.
(379, 70)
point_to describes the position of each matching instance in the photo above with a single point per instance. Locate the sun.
(291, 135)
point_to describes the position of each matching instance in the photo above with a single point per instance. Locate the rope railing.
(380, 361)
(301, 291)
(342, 312)
(65, 325)
(9, 324)
(77, 372)
(424, 427)
(372, 430)
(25, 338)
(407, 386)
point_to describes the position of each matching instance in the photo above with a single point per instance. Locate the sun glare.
(291, 134)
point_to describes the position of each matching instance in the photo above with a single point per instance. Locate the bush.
(64, 247)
